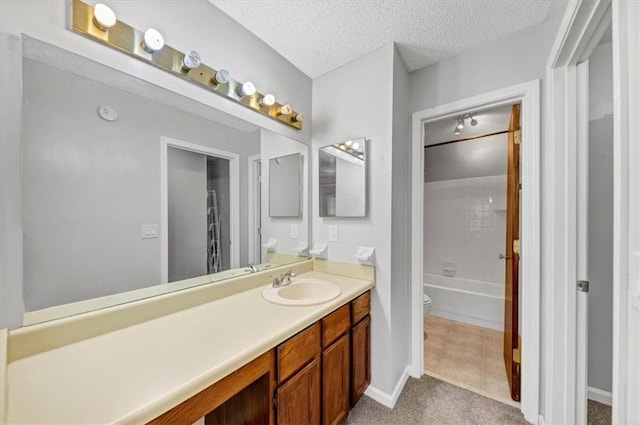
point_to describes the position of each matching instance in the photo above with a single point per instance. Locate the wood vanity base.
(312, 378)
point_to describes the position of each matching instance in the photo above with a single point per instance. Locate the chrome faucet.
(283, 280)
(253, 268)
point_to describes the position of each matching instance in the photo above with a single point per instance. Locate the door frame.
(254, 219)
(528, 94)
(234, 198)
(565, 245)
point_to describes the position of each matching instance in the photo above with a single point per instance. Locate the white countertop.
(137, 373)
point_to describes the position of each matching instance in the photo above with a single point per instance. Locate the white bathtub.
(469, 301)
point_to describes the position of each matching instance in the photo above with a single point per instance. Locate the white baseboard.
(388, 400)
(599, 395)
(467, 319)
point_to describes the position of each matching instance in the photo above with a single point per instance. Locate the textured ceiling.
(318, 36)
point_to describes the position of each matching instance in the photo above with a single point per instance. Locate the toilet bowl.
(426, 302)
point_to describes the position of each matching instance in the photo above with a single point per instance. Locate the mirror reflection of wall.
(103, 214)
(342, 179)
(285, 184)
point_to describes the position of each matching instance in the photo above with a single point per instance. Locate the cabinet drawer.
(335, 325)
(360, 307)
(297, 351)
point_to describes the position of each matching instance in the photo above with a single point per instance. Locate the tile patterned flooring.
(466, 355)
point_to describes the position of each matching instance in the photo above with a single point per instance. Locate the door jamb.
(579, 33)
(529, 95)
(234, 198)
(253, 191)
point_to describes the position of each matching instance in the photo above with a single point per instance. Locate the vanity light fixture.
(268, 100)
(99, 23)
(153, 41)
(222, 77)
(191, 60)
(103, 16)
(247, 89)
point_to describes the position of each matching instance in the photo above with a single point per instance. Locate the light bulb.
(348, 143)
(222, 77)
(247, 89)
(103, 16)
(153, 41)
(356, 146)
(268, 100)
(456, 131)
(286, 110)
(191, 60)
(299, 117)
(460, 125)
(474, 122)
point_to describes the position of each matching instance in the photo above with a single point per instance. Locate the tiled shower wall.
(465, 224)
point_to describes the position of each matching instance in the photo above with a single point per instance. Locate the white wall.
(220, 41)
(465, 224)
(357, 100)
(600, 336)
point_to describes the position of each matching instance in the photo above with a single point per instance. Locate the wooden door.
(335, 381)
(511, 338)
(360, 359)
(299, 398)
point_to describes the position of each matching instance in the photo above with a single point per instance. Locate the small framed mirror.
(343, 179)
(285, 186)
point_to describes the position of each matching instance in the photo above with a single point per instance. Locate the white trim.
(575, 40)
(467, 319)
(529, 95)
(599, 395)
(234, 197)
(626, 210)
(251, 213)
(389, 400)
(541, 420)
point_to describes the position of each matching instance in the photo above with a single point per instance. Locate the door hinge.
(275, 399)
(516, 246)
(516, 355)
(583, 285)
(516, 137)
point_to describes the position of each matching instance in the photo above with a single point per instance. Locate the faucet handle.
(275, 280)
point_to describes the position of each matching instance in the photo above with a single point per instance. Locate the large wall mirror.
(343, 179)
(131, 190)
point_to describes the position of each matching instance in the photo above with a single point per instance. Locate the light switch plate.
(294, 231)
(149, 231)
(333, 233)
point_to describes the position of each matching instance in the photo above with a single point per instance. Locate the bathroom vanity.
(219, 351)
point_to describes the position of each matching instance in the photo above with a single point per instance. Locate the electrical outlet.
(333, 233)
(294, 231)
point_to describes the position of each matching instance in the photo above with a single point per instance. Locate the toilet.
(426, 302)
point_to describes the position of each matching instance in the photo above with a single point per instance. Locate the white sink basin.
(303, 292)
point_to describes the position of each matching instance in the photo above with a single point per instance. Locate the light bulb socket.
(222, 77)
(299, 117)
(103, 16)
(247, 89)
(268, 100)
(153, 41)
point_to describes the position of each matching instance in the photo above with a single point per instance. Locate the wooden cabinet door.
(335, 381)
(299, 397)
(360, 359)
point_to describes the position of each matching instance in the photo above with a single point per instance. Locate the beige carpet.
(430, 401)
